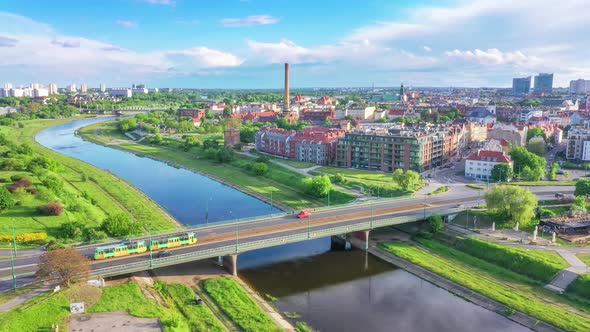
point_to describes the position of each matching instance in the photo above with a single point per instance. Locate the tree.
(578, 206)
(406, 180)
(435, 223)
(523, 158)
(553, 171)
(120, 225)
(6, 200)
(260, 168)
(582, 187)
(327, 123)
(501, 172)
(51, 209)
(127, 124)
(227, 111)
(71, 229)
(532, 174)
(67, 265)
(537, 146)
(515, 203)
(535, 132)
(225, 154)
(318, 186)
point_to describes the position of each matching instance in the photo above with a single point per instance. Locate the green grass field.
(197, 317)
(238, 306)
(580, 287)
(439, 190)
(285, 185)
(505, 286)
(37, 314)
(109, 194)
(475, 186)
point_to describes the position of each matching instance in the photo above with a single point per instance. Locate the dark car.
(163, 254)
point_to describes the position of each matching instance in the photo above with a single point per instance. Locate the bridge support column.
(363, 235)
(230, 262)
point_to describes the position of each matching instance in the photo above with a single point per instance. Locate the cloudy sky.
(243, 43)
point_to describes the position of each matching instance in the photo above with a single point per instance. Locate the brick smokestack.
(286, 86)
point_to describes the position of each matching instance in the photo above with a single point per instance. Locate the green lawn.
(505, 286)
(580, 286)
(37, 314)
(106, 193)
(182, 298)
(286, 186)
(238, 306)
(584, 257)
(439, 190)
(475, 186)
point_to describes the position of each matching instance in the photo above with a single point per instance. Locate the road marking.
(18, 267)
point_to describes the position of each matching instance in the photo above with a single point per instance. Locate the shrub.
(22, 183)
(71, 230)
(120, 225)
(51, 209)
(262, 159)
(260, 168)
(53, 183)
(92, 234)
(25, 237)
(12, 165)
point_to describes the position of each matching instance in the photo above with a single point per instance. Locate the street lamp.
(151, 252)
(13, 256)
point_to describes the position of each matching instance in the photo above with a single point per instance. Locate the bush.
(22, 183)
(71, 230)
(120, 225)
(6, 200)
(263, 159)
(580, 286)
(12, 165)
(260, 168)
(92, 234)
(339, 178)
(51, 209)
(37, 237)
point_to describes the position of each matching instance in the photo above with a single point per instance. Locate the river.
(330, 290)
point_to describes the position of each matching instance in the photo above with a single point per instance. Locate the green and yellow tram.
(140, 246)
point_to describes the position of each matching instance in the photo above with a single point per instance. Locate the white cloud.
(49, 56)
(125, 23)
(248, 21)
(427, 48)
(494, 56)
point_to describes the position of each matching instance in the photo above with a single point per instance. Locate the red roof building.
(324, 100)
(480, 164)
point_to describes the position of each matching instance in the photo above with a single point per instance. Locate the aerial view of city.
(253, 166)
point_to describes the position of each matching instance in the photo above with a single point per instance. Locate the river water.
(330, 290)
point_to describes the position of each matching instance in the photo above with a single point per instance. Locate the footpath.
(463, 292)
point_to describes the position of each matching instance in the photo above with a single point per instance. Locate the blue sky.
(243, 43)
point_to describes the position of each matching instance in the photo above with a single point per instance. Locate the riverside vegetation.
(48, 197)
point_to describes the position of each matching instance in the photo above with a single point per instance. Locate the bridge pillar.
(339, 243)
(230, 262)
(364, 236)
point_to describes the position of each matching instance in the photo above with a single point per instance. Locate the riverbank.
(92, 193)
(507, 293)
(170, 305)
(279, 186)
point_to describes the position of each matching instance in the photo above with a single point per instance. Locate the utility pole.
(13, 256)
(151, 253)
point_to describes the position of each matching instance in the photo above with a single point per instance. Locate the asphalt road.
(265, 228)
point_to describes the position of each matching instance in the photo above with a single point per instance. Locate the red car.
(304, 213)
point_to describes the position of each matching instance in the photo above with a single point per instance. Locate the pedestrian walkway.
(24, 297)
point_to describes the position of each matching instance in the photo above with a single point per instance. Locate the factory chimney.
(286, 87)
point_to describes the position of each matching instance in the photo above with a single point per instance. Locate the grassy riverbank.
(173, 304)
(238, 306)
(89, 194)
(512, 289)
(283, 185)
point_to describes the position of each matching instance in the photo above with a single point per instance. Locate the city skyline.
(242, 44)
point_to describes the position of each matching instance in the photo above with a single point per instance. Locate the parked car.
(304, 213)
(163, 253)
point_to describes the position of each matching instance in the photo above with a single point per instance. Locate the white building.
(39, 92)
(578, 143)
(103, 87)
(579, 86)
(83, 88)
(7, 86)
(52, 88)
(364, 113)
(121, 92)
(140, 90)
(479, 165)
(35, 86)
(71, 88)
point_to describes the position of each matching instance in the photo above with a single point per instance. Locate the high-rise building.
(83, 88)
(35, 85)
(103, 87)
(72, 88)
(580, 86)
(544, 83)
(7, 86)
(52, 88)
(521, 86)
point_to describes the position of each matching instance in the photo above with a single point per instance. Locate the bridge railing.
(246, 244)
